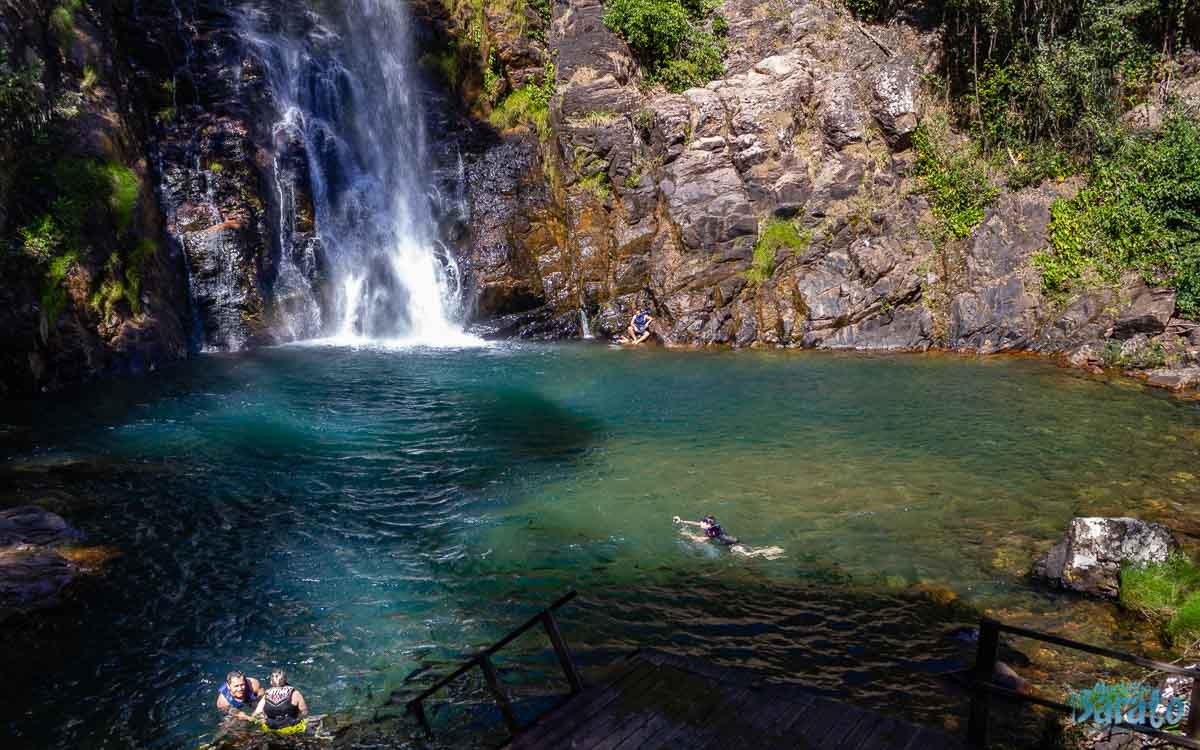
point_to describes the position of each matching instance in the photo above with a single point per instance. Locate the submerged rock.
(32, 573)
(30, 525)
(1089, 558)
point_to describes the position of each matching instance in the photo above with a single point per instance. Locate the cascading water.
(347, 88)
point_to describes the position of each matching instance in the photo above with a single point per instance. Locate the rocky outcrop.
(658, 199)
(32, 572)
(1089, 558)
(90, 285)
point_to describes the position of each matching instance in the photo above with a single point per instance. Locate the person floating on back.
(713, 532)
(238, 696)
(282, 707)
(639, 328)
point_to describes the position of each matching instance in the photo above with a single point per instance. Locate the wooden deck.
(656, 700)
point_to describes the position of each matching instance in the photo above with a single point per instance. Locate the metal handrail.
(483, 660)
(985, 667)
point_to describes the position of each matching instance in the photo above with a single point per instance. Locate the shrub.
(679, 41)
(20, 97)
(1166, 593)
(1139, 211)
(124, 187)
(775, 235)
(954, 180)
(528, 105)
(54, 295)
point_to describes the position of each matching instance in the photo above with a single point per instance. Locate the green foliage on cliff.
(62, 20)
(1168, 594)
(775, 235)
(80, 193)
(20, 99)
(528, 105)
(125, 186)
(54, 295)
(1139, 211)
(954, 180)
(679, 41)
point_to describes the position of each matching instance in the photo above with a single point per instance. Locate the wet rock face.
(1089, 558)
(43, 344)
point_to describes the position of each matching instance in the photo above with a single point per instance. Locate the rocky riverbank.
(633, 196)
(778, 206)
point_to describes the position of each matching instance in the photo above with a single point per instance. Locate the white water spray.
(348, 88)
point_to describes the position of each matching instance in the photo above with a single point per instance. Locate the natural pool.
(353, 514)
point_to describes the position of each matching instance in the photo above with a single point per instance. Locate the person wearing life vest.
(238, 695)
(282, 708)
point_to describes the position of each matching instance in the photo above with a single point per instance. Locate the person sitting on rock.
(239, 692)
(639, 328)
(282, 707)
(713, 532)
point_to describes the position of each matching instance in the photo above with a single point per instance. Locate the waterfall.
(585, 329)
(347, 90)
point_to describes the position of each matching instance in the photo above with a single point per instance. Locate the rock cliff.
(640, 198)
(154, 201)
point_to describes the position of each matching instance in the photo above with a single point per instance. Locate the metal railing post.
(493, 683)
(985, 666)
(1193, 724)
(564, 653)
(419, 709)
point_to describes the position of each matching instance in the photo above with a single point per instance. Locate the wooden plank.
(713, 702)
(633, 704)
(582, 707)
(820, 718)
(725, 718)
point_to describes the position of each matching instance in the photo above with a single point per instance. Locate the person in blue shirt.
(639, 328)
(238, 696)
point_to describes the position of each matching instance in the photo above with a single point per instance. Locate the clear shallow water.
(353, 514)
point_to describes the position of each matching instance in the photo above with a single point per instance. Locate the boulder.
(1089, 558)
(31, 577)
(894, 103)
(1176, 380)
(1148, 312)
(29, 525)
(31, 572)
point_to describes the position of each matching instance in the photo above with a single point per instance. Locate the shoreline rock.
(1089, 557)
(33, 572)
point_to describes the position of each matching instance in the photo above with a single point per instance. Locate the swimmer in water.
(282, 708)
(237, 696)
(713, 532)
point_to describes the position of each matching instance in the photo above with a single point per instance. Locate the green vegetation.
(89, 80)
(1141, 211)
(124, 187)
(528, 105)
(680, 42)
(1041, 85)
(54, 295)
(596, 184)
(1147, 357)
(1168, 594)
(775, 235)
(80, 192)
(62, 20)
(955, 181)
(20, 97)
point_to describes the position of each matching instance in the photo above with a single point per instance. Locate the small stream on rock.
(354, 514)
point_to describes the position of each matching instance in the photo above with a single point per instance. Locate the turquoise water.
(355, 514)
